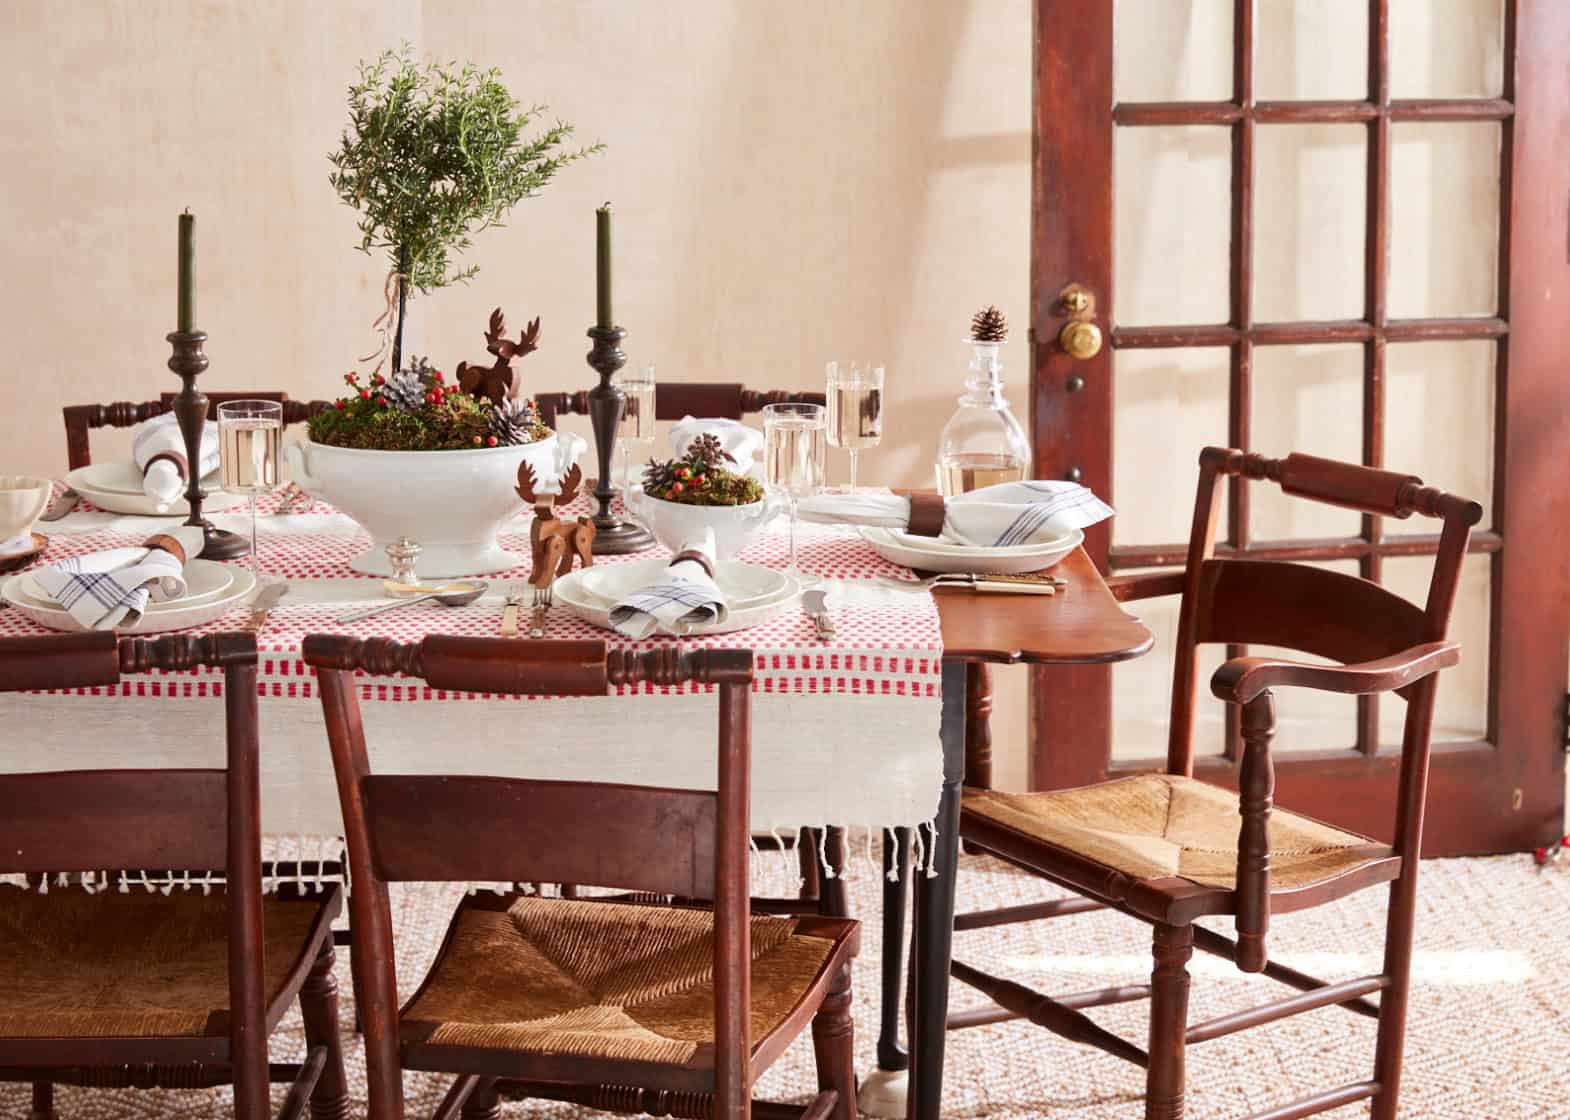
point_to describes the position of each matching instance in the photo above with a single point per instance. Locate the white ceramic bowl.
(23, 500)
(674, 524)
(452, 503)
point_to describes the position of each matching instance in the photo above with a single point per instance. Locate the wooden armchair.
(629, 1007)
(673, 400)
(130, 987)
(1168, 849)
(80, 419)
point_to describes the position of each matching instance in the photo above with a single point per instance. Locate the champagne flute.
(249, 433)
(855, 399)
(637, 417)
(793, 452)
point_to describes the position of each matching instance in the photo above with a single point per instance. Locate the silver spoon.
(445, 598)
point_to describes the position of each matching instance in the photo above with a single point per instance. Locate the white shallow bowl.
(943, 556)
(452, 503)
(117, 487)
(754, 594)
(205, 581)
(675, 524)
(176, 617)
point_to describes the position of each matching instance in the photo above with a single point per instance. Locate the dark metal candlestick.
(190, 408)
(611, 537)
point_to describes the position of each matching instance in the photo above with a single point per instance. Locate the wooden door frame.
(1486, 797)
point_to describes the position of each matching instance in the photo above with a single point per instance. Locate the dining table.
(872, 729)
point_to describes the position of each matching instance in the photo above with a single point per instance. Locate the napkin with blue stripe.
(110, 589)
(685, 595)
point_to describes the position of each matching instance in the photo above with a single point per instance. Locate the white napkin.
(1009, 513)
(103, 590)
(742, 443)
(164, 481)
(684, 595)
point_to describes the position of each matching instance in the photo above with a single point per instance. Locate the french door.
(1340, 227)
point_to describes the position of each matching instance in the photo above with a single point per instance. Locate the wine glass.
(637, 417)
(793, 452)
(249, 433)
(855, 399)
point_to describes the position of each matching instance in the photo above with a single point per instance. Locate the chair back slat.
(478, 665)
(725, 400)
(1314, 610)
(120, 819)
(80, 419)
(432, 828)
(87, 660)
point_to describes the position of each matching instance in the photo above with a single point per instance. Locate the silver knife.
(263, 604)
(817, 609)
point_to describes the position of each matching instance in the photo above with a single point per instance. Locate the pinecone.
(657, 476)
(514, 422)
(406, 389)
(706, 452)
(988, 325)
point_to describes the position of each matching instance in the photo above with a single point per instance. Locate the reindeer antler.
(526, 482)
(569, 484)
(497, 332)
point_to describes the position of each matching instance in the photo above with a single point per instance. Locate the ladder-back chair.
(1168, 849)
(675, 399)
(128, 986)
(623, 1006)
(80, 419)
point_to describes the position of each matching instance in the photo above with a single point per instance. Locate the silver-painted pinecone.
(406, 389)
(512, 422)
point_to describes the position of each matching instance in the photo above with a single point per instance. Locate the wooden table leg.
(978, 725)
(934, 926)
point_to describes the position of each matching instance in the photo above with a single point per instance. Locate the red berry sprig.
(1551, 854)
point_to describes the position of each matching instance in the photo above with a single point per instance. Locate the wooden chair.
(80, 419)
(1168, 849)
(620, 1006)
(673, 400)
(127, 987)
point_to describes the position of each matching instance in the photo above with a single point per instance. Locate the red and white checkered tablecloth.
(845, 733)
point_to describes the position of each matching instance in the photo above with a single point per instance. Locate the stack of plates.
(934, 555)
(117, 487)
(212, 591)
(753, 595)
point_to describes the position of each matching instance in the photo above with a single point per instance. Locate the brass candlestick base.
(611, 537)
(190, 408)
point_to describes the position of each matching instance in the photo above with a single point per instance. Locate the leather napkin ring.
(169, 544)
(697, 558)
(180, 462)
(926, 514)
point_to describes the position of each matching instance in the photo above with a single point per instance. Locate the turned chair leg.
(1172, 946)
(43, 1101)
(832, 900)
(807, 856)
(1393, 1001)
(834, 1046)
(483, 1103)
(319, 1008)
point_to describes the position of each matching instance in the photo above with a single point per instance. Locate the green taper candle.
(602, 275)
(187, 297)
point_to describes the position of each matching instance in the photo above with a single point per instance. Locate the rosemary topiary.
(433, 154)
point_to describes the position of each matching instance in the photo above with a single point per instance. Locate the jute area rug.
(1489, 1035)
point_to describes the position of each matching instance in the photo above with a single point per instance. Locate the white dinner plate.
(205, 580)
(932, 556)
(116, 487)
(754, 594)
(239, 591)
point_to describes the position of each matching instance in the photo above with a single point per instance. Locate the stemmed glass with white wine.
(249, 434)
(637, 417)
(855, 397)
(794, 449)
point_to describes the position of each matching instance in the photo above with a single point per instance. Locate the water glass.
(249, 434)
(855, 397)
(637, 417)
(794, 449)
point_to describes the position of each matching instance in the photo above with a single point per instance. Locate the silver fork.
(543, 598)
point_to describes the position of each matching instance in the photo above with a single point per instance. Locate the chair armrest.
(1148, 585)
(1243, 678)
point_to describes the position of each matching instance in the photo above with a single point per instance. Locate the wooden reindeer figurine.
(499, 382)
(554, 542)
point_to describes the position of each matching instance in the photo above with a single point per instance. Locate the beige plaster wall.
(792, 183)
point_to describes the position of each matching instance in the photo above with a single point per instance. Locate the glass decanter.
(982, 443)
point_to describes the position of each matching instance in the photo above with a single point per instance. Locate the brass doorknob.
(1080, 340)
